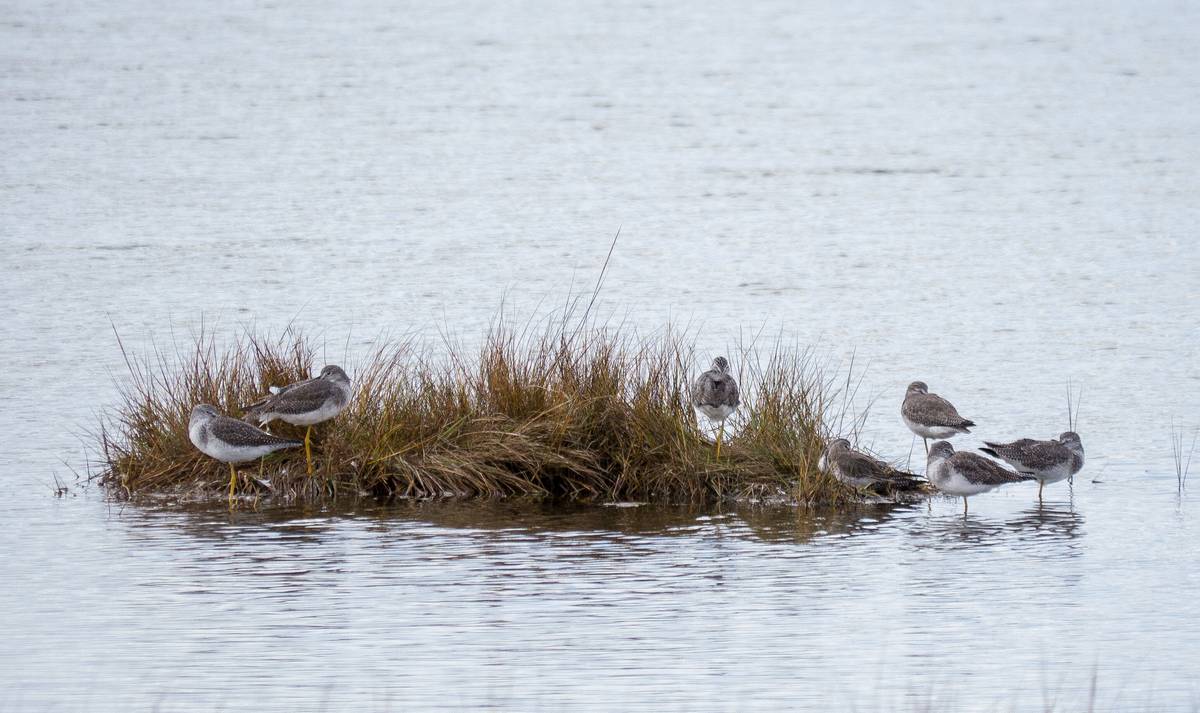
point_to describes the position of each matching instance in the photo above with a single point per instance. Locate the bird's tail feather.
(902, 480)
(253, 411)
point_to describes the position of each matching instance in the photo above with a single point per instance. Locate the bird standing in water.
(1048, 461)
(305, 403)
(930, 416)
(963, 473)
(716, 395)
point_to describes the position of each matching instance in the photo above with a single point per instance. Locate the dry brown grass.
(585, 413)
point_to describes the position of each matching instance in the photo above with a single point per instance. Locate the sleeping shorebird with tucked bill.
(930, 416)
(1048, 461)
(963, 473)
(304, 403)
(860, 470)
(715, 394)
(230, 440)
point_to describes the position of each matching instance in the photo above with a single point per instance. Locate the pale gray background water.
(995, 198)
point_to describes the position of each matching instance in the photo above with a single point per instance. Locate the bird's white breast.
(938, 432)
(716, 413)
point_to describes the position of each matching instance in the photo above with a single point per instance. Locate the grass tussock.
(588, 414)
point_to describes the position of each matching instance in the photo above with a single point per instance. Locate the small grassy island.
(584, 413)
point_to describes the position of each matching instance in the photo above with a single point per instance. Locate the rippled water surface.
(996, 198)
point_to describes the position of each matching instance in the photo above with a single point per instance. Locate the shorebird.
(859, 470)
(1048, 461)
(715, 395)
(230, 440)
(930, 416)
(965, 473)
(304, 403)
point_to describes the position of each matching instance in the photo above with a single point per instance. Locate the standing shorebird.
(965, 474)
(716, 395)
(230, 440)
(305, 403)
(1048, 461)
(859, 470)
(930, 416)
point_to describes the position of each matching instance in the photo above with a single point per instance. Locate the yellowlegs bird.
(305, 403)
(930, 416)
(860, 470)
(230, 440)
(715, 395)
(965, 474)
(1048, 461)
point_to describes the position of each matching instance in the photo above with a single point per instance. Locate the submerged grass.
(566, 412)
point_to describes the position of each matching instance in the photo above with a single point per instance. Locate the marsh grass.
(1074, 399)
(580, 412)
(1183, 456)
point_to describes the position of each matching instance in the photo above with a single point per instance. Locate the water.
(995, 199)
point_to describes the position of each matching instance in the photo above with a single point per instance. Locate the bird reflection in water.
(1033, 529)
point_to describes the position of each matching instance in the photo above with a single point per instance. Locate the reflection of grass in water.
(584, 413)
(765, 523)
(868, 693)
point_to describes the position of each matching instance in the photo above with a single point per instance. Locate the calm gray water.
(996, 199)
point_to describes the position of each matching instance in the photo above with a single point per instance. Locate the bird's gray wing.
(1015, 447)
(1029, 454)
(860, 465)
(932, 410)
(280, 390)
(240, 433)
(1041, 455)
(732, 394)
(300, 398)
(715, 389)
(276, 391)
(978, 469)
(698, 388)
